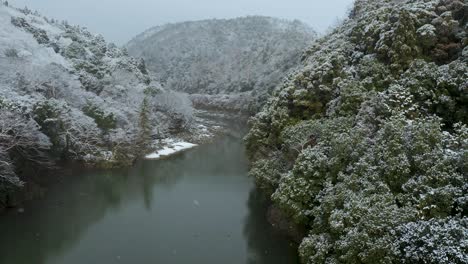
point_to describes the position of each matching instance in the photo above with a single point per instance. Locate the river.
(194, 207)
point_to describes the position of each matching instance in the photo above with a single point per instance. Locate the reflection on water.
(195, 207)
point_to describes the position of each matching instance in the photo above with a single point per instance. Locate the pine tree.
(142, 66)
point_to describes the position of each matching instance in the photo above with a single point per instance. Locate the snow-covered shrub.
(434, 241)
(105, 121)
(11, 52)
(267, 173)
(39, 34)
(20, 140)
(427, 35)
(9, 181)
(48, 115)
(75, 51)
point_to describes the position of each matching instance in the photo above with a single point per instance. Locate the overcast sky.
(120, 20)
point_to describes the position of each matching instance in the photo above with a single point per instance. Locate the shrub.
(11, 53)
(440, 241)
(75, 51)
(104, 121)
(48, 115)
(39, 34)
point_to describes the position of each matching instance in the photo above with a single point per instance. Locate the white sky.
(120, 20)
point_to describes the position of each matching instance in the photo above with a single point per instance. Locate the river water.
(194, 207)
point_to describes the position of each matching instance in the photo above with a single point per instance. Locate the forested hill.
(223, 56)
(367, 144)
(68, 94)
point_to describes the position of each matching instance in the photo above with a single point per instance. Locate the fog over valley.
(120, 20)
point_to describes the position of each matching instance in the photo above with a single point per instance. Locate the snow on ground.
(23, 42)
(172, 148)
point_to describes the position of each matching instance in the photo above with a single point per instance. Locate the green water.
(195, 207)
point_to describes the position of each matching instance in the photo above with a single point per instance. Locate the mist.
(120, 20)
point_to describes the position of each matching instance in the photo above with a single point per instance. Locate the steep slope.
(250, 54)
(67, 94)
(367, 144)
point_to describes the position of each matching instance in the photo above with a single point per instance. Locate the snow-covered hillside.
(366, 146)
(223, 56)
(67, 94)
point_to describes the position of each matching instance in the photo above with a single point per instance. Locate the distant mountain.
(219, 56)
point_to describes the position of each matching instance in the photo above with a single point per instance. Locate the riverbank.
(208, 126)
(170, 147)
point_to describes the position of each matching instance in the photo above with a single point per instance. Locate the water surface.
(195, 207)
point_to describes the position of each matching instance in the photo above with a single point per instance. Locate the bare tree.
(80, 138)
(178, 105)
(23, 136)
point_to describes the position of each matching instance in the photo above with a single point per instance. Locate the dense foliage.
(67, 94)
(250, 54)
(367, 144)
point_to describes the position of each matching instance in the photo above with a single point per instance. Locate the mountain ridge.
(223, 56)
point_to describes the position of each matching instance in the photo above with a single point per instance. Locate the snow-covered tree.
(62, 85)
(244, 55)
(371, 137)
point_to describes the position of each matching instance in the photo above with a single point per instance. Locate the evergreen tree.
(144, 125)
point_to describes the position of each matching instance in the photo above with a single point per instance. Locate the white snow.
(171, 149)
(24, 42)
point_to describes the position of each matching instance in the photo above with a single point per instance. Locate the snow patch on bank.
(171, 148)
